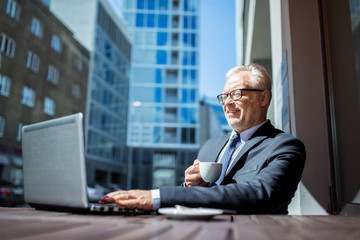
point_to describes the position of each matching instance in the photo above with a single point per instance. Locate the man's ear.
(265, 100)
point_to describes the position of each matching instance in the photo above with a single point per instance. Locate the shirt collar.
(246, 135)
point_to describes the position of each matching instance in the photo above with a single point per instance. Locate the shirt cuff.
(155, 195)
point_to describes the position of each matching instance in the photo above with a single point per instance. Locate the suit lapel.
(247, 147)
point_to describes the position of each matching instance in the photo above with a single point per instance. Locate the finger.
(190, 170)
(106, 199)
(196, 162)
(195, 183)
(193, 177)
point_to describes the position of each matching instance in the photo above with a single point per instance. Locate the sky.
(217, 44)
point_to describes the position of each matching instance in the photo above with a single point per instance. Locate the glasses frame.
(222, 97)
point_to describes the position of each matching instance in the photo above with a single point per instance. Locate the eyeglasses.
(235, 94)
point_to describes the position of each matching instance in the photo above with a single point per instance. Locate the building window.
(28, 97)
(171, 95)
(163, 5)
(2, 126)
(7, 45)
(76, 90)
(56, 43)
(170, 115)
(78, 63)
(32, 61)
(53, 74)
(188, 115)
(140, 19)
(12, 9)
(19, 135)
(170, 135)
(49, 106)
(163, 21)
(188, 135)
(161, 57)
(36, 27)
(4, 86)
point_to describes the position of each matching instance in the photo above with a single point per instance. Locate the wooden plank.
(212, 230)
(147, 231)
(28, 229)
(89, 232)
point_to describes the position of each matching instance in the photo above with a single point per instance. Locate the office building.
(311, 48)
(163, 130)
(212, 120)
(43, 75)
(95, 25)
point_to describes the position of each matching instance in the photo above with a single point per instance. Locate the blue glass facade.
(108, 105)
(96, 26)
(163, 126)
(164, 72)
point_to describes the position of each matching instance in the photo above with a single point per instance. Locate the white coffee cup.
(210, 171)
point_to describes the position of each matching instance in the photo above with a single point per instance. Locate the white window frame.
(19, 133)
(7, 45)
(28, 97)
(49, 106)
(2, 126)
(32, 61)
(76, 90)
(36, 27)
(12, 8)
(5, 84)
(53, 74)
(55, 43)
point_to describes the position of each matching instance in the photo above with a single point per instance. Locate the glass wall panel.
(146, 56)
(151, 4)
(188, 115)
(188, 135)
(140, 20)
(163, 4)
(150, 20)
(158, 95)
(144, 75)
(162, 39)
(158, 76)
(161, 56)
(144, 94)
(163, 21)
(140, 4)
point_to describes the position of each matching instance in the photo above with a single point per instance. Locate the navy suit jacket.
(262, 179)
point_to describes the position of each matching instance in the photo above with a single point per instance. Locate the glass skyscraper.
(163, 126)
(100, 30)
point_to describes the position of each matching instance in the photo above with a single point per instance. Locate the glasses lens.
(221, 98)
(236, 94)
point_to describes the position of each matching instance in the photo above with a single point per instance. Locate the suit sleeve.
(268, 191)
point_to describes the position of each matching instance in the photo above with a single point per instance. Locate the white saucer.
(190, 213)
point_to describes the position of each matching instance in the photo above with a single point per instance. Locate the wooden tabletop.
(26, 223)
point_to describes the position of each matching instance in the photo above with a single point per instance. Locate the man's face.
(249, 110)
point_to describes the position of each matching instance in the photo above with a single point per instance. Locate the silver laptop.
(54, 167)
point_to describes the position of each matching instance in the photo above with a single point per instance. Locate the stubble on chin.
(234, 123)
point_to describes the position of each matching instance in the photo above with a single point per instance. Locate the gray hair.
(259, 77)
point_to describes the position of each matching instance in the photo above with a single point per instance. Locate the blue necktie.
(226, 158)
